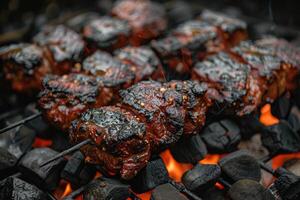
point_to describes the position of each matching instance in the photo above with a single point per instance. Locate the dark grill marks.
(64, 47)
(24, 66)
(151, 116)
(65, 97)
(146, 18)
(106, 33)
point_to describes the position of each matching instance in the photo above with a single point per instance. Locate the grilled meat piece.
(193, 40)
(233, 78)
(146, 18)
(112, 72)
(151, 117)
(143, 61)
(24, 66)
(64, 98)
(106, 33)
(231, 30)
(64, 47)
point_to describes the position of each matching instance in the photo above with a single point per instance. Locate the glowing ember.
(279, 160)
(210, 159)
(39, 142)
(67, 191)
(266, 116)
(175, 169)
(145, 196)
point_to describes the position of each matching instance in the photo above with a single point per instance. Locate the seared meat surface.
(64, 47)
(151, 117)
(112, 72)
(64, 98)
(24, 67)
(143, 62)
(106, 33)
(146, 18)
(193, 40)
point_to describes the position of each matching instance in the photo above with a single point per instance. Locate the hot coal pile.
(148, 100)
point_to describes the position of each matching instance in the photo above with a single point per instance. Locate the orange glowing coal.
(211, 159)
(175, 169)
(67, 191)
(266, 116)
(39, 142)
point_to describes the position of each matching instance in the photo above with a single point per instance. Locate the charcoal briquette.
(201, 177)
(106, 189)
(281, 106)
(7, 163)
(46, 176)
(13, 188)
(287, 184)
(166, 192)
(213, 193)
(154, 174)
(294, 119)
(281, 138)
(240, 165)
(77, 171)
(249, 190)
(221, 137)
(189, 149)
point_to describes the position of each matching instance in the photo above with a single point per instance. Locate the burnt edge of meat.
(82, 86)
(63, 43)
(106, 32)
(112, 72)
(143, 62)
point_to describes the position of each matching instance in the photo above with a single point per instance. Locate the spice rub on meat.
(150, 117)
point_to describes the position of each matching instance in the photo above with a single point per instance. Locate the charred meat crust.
(193, 40)
(112, 72)
(151, 114)
(24, 66)
(143, 62)
(120, 142)
(65, 98)
(64, 46)
(146, 18)
(106, 33)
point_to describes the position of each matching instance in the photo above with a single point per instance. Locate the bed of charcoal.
(253, 157)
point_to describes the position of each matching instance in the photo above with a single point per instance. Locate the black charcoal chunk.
(189, 149)
(166, 192)
(154, 174)
(77, 172)
(281, 138)
(47, 176)
(221, 137)
(249, 190)
(294, 119)
(293, 165)
(240, 165)
(16, 189)
(201, 177)
(106, 189)
(18, 141)
(7, 163)
(213, 193)
(287, 184)
(249, 125)
(281, 106)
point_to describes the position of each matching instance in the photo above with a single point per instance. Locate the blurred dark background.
(19, 19)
